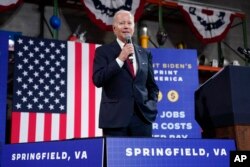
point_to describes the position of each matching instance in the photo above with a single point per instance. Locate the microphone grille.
(128, 39)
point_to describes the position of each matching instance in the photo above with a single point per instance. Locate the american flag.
(54, 97)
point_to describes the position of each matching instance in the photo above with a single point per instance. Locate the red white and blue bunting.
(9, 4)
(101, 12)
(208, 24)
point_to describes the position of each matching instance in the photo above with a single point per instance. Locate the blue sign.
(176, 74)
(73, 153)
(148, 152)
(4, 37)
(1, 153)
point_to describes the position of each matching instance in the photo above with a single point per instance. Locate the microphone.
(244, 51)
(129, 40)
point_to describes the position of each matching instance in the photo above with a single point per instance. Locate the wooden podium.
(222, 106)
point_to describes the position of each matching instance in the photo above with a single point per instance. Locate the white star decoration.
(40, 82)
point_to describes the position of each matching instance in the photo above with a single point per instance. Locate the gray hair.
(119, 12)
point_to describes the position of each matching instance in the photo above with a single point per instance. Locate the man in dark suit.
(129, 91)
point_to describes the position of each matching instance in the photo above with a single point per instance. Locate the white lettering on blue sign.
(166, 152)
(81, 155)
(173, 114)
(39, 156)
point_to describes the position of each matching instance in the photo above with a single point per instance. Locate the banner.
(148, 152)
(176, 74)
(101, 12)
(4, 53)
(9, 4)
(73, 153)
(208, 24)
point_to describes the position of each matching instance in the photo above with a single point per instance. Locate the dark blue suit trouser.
(138, 127)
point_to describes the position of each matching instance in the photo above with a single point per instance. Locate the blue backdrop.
(73, 153)
(148, 152)
(176, 74)
(3, 82)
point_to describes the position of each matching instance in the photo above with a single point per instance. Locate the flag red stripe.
(47, 126)
(78, 89)
(62, 126)
(91, 93)
(32, 127)
(15, 127)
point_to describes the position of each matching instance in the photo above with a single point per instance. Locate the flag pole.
(55, 31)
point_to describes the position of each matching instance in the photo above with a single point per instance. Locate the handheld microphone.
(129, 40)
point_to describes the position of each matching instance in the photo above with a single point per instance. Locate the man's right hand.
(127, 50)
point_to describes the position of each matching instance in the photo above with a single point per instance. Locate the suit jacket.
(120, 91)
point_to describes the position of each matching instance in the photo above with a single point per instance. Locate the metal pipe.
(55, 31)
(209, 5)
